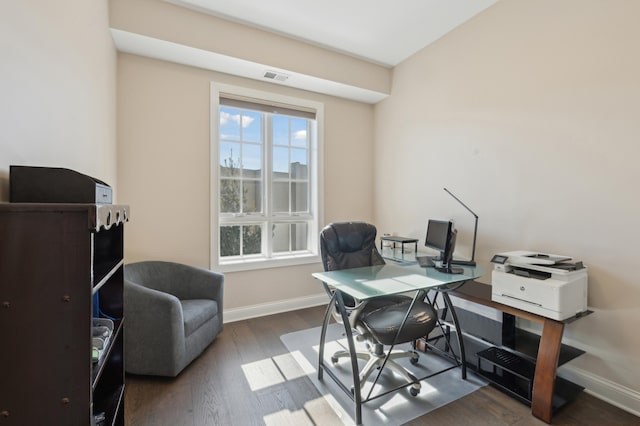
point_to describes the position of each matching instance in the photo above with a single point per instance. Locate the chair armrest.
(154, 321)
(197, 283)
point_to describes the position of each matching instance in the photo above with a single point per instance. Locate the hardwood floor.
(215, 389)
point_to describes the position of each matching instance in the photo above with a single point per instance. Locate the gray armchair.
(172, 313)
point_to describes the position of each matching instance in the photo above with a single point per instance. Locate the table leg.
(546, 366)
(454, 318)
(357, 394)
(323, 335)
(336, 299)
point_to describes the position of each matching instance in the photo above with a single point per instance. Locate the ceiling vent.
(277, 76)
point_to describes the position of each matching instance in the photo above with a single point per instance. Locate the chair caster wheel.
(414, 392)
(415, 360)
(334, 360)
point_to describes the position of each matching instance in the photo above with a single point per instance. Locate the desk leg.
(336, 298)
(323, 335)
(546, 366)
(357, 392)
(454, 317)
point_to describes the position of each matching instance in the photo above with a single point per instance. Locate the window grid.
(291, 222)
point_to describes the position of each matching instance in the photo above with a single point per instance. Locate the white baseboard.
(262, 309)
(615, 394)
(606, 390)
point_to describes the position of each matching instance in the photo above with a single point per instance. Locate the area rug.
(393, 409)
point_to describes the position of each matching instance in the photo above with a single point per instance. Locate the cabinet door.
(44, 287)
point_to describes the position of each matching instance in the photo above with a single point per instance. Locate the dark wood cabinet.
(61, 265)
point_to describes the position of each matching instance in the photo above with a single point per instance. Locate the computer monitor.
(441, 236)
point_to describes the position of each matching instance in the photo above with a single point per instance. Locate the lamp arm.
(475, 229)
(463, 204)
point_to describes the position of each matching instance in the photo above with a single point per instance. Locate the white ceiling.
(377, 31)
(383, 32)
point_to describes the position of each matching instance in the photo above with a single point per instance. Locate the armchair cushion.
(197, 312)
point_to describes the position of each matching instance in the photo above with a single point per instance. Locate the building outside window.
(266, 177)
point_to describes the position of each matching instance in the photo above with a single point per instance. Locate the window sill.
(255, 264)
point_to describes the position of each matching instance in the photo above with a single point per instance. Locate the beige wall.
(164, 166)
(57, 86)
(529, 114)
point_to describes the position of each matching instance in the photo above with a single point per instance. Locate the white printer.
(545, 284)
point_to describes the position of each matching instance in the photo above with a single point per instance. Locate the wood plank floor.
(214, 389)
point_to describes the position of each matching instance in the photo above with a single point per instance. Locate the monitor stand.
(449, 270)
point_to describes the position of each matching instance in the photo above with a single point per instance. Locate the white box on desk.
(561, 296)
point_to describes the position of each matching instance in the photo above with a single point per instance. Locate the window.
(266, 187)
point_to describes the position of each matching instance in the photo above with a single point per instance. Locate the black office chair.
(347, 245)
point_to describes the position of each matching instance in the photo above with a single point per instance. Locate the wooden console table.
(548, 352)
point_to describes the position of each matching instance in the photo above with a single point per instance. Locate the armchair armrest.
(182, 281)
(196, 283)
(157, 330)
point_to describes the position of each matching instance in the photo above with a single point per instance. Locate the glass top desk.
(373, 281)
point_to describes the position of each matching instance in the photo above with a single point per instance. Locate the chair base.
(375, 357)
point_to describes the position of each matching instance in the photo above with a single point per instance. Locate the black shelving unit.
(510, 370)
(55, 260)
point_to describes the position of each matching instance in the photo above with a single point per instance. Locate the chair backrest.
(345, 245)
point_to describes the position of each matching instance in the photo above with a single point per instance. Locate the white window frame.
(315, 188)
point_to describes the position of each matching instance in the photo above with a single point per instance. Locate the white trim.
(214, 194)
(248, 265)
(601, 388)
(316, 176)
(271, 308)
(615, 394)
